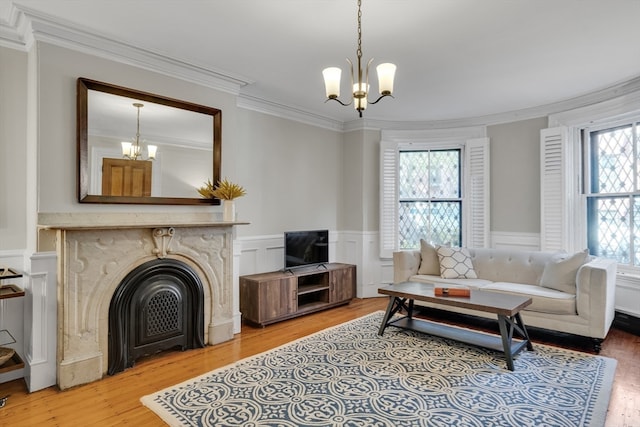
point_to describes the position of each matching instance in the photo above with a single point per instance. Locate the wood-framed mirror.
(188, 138)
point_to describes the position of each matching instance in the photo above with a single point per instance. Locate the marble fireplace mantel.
(95, 251)
(100, 220)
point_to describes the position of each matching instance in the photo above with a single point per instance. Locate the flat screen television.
(303, 248)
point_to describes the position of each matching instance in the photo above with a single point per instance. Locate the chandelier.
(386, 73)
(133, 151)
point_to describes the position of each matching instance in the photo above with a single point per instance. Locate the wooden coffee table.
(506, 307)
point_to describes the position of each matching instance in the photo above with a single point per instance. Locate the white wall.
(13, 151)
(515, 176)
(292, 174)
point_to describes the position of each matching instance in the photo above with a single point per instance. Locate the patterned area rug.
(349, 376)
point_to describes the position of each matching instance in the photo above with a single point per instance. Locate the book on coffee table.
(451, 292)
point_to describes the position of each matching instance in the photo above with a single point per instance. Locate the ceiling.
(456, 59)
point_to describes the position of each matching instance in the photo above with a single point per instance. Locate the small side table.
(9, 291)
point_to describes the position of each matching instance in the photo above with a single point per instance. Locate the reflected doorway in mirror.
(123, 177)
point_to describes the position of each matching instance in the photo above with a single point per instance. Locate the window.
(590, 183)
(430, 201)
(433, 185)
(612, 190)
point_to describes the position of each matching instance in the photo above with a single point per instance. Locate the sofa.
(570, 293)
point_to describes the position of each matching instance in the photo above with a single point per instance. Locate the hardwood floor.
(115, 400)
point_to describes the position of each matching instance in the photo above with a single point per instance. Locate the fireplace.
(182, 261)
(157, 307)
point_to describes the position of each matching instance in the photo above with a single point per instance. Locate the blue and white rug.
(349, 376)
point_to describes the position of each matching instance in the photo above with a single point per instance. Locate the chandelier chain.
(138, 106)
(359, 50)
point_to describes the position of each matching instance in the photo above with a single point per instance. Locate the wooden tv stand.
(271, 297)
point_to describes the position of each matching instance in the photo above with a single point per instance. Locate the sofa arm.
(405, 265)
(595, 294)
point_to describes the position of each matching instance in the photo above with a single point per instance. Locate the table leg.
(395, 304)
(523, 330)
(387, 315)
(506, 341)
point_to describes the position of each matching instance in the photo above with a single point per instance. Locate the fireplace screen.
(157, 307)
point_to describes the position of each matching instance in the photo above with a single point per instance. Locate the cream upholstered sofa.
(572, 293)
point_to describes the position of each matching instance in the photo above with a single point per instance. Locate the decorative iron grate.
(164, 314)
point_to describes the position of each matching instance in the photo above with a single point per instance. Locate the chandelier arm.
(381, 96)
(338, 101)
(352, 78)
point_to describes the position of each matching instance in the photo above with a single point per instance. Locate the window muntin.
(430, 199)
(613, 194)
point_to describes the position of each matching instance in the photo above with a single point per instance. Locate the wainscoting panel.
(518, 241)
(386, 271)
(259, 254)
(248, 260)
(628, 294)
(362, 249)
(41, 322)
(350, 250)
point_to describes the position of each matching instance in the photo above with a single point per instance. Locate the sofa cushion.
(560, 272)
(429, 263)
(508, 265)
(455, 263)
(543, 300)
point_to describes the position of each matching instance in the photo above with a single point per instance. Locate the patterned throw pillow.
(455, 263)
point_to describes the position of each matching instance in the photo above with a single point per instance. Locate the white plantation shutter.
(388, 198)
(477, 198)
(555, 187)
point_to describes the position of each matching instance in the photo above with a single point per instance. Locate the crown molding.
(629, 89)
(14, 27)
(20, 26)
(625, 105)
(442, 134)
(288, 112)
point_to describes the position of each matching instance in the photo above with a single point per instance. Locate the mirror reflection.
(136, 147)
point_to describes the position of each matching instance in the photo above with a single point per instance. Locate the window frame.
(474, 147)
(586, 174)
(574, 123)
(434, 200)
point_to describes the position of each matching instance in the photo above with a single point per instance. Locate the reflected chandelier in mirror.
(187, 136)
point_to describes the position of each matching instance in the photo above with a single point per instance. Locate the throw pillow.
(429, 263)
(455, 263)
(560, 274)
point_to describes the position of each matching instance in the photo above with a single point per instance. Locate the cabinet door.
(342, 284)
(278, 297)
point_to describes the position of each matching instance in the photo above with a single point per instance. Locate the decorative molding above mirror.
(187, 137)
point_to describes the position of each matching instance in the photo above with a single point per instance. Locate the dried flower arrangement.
(224, 190)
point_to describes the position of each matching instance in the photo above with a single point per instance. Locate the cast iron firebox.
(158, 306)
